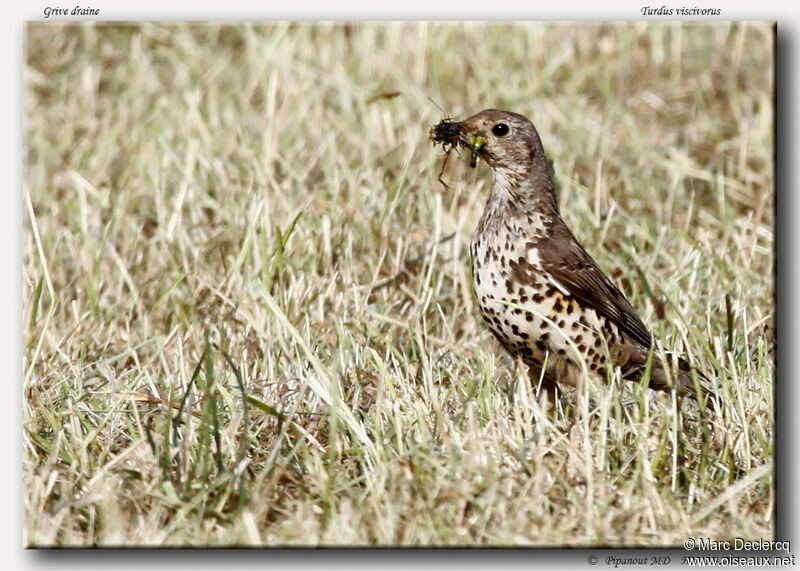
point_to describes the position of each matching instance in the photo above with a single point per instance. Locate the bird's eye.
(500, 129)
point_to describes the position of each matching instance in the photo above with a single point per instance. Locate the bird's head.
(506, 141)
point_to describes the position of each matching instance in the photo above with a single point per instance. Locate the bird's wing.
(576, 272)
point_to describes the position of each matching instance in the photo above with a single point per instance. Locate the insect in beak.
(476, 146)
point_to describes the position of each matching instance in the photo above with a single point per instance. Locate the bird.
(539, 292)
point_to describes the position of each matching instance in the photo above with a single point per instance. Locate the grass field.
(247, 309)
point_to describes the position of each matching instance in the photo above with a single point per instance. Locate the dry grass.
(209, 211)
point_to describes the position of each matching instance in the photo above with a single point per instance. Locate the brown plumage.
(540, 293)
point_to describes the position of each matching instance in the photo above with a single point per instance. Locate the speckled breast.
(527, 312)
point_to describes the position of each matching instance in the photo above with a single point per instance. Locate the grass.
(247, 309)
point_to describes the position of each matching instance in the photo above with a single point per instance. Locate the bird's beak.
(469, 140)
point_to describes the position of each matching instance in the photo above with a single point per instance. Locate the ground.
(246, 297)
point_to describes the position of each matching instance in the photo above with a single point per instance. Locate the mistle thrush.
(539, 292)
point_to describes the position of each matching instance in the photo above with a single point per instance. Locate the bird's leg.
(548, 389)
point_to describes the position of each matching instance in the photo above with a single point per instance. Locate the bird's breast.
(523, 307)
